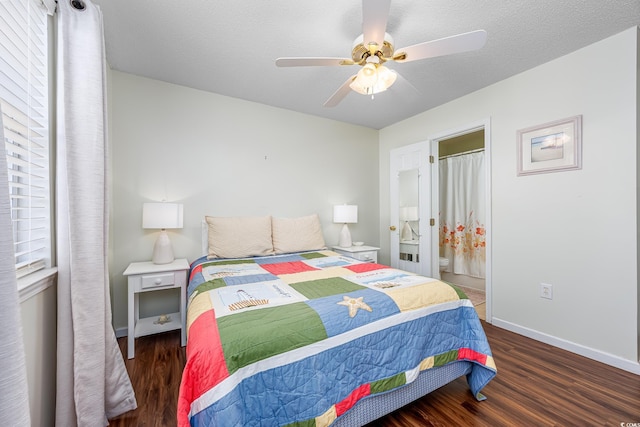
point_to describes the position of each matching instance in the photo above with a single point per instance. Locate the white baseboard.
(122, 332)
(600, 356)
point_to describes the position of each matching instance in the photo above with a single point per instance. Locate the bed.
(298, 335)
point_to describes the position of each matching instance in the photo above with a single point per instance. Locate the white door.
(410, 210)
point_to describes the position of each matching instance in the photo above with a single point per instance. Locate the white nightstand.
(362, 253)
(149, 277)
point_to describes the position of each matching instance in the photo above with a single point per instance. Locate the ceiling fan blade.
(374, 20)
(446, 46)
(339, 94)
(312, 62)
(405, 89)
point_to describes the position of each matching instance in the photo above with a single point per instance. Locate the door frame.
(434, 140)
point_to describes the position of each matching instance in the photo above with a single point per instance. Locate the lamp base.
(162, 250)
(345, 237)
(406, 233)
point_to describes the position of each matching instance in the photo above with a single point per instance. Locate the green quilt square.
(257, 334)
(321, 288)
(207, 286)
(444, 358)
(387, 384)
(312, 255)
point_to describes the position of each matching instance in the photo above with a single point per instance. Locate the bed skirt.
(376, 406)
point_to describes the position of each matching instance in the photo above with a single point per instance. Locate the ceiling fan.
(375, 47)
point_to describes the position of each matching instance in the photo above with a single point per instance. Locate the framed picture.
(551, 147)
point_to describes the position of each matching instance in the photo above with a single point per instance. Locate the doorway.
(462, 212)
(461, 204)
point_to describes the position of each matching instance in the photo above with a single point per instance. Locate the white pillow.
(297, 234)
(239, 237)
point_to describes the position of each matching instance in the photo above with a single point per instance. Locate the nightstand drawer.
(369, 256)
(361, 253)
(157, 280)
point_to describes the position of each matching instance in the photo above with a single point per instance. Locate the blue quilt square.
(334, 310)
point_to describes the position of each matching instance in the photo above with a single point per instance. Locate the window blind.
(24, 104)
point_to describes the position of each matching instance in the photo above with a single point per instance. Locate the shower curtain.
(462, 213)
(92, 381)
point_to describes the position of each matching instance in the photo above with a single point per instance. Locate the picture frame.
(550, 147)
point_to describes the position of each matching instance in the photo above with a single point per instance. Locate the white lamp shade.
(162, 215)
(345, 214)
(409, 213)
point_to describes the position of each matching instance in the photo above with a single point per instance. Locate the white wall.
(38, 314)
(223, 156)
(576, 230)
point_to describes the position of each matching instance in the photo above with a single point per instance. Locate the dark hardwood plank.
(537, 384)
(155, 374)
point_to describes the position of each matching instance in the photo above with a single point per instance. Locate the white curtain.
(92, 381)
(462, 213)
(14, 395)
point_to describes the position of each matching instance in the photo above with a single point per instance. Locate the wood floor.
(536, 385)
(155, 373)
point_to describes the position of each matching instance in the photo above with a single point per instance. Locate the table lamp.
(345, 214)
(408, 213)
(162, 215)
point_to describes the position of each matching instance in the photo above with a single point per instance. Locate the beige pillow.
(239, 237)
(297, 234)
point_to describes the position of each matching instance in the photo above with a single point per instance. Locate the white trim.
(34, 283)
(590, 353)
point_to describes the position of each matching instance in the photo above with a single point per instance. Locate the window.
(24, 104)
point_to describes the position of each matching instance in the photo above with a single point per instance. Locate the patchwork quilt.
(299, 339)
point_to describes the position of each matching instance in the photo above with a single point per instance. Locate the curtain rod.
(462, 154)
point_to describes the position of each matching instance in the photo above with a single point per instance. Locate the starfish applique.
(354, 304)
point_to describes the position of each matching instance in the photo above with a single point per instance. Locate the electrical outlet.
(546, 291)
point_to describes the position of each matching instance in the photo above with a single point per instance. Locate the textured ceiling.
(229, 47)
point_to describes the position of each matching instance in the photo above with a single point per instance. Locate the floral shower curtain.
(462, 213)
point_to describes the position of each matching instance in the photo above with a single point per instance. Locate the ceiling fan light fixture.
(368, 75)
(386, 77)
(368, 83)
(357, 86)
